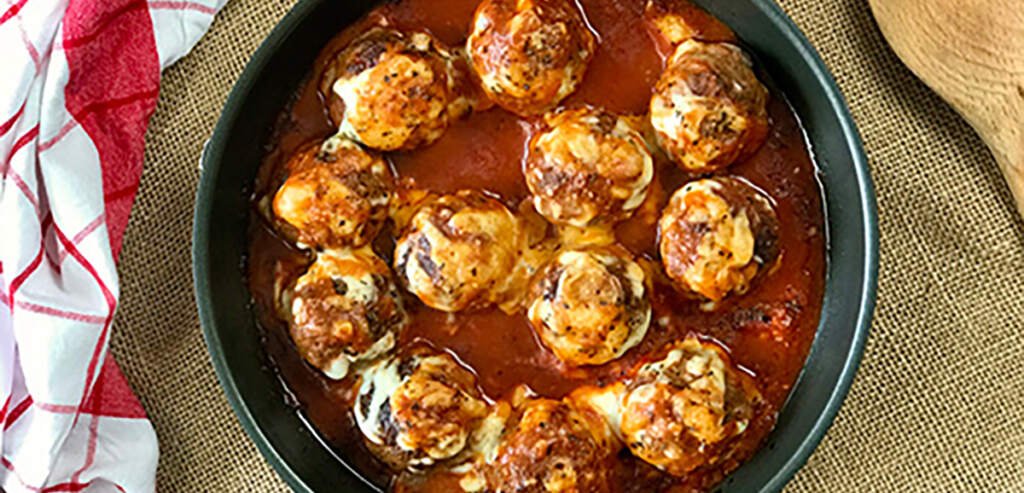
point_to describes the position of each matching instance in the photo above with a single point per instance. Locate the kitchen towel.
(79, 80)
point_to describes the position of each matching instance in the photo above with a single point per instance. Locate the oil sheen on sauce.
(768, 331)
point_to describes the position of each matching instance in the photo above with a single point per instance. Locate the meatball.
(717, 236)
(529, 54)
(391, 90)
(459, 251)
(675, 21)
(589, 307)
(336, 195)
(345, 309)
(418, 409)
(680, 412)
(708, 109)
(588, 166)
(552, 446)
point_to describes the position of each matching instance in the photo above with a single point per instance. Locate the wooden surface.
(971, 52)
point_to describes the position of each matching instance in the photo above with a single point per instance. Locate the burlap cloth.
(938, 404)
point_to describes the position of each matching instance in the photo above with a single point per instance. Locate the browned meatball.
(680, 412)
(529, 54)
(459, 251)
(345, 309)
(588, 166)
(675, 21)
(391, 90)
(590, 307)
(552, 446)
(418, 409)
(708, 109)
(717, 236)
(336, 195)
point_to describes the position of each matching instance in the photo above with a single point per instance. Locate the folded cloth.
(78, 82)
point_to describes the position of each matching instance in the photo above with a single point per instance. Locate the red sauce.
(768, 331)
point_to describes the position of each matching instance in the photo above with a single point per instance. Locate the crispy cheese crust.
(336, 195)
(459, 251)
(419, 408)
(391, 90)
(552, 446)
(588, 166)
(590, 307)
(529, 54)
(717, 236)
(708, 109)
(680, 412)
(345, 309)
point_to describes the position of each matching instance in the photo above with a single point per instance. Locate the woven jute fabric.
(938, 404)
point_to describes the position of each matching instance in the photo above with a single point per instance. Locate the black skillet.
(234, 153)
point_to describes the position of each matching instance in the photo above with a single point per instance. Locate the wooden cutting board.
(971, 52)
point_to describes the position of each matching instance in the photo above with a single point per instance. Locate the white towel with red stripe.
(78, 82)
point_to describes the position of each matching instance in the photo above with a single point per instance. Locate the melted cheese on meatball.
(708, 108)
(460, 251)
(336, 195)
(590, 307)
(552, 446)
(676, 21)
(529, 54)
(483, 449)
(399, 90)
(605, 402)
(588, 166)
(679, 411)
(420, 409)
(717, 235)
(345, 309)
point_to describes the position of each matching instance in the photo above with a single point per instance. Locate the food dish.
(583, 244)
(554, 387)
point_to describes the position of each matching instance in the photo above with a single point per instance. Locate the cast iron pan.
(234, 152)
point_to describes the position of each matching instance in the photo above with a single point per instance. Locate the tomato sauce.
(767, 331)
